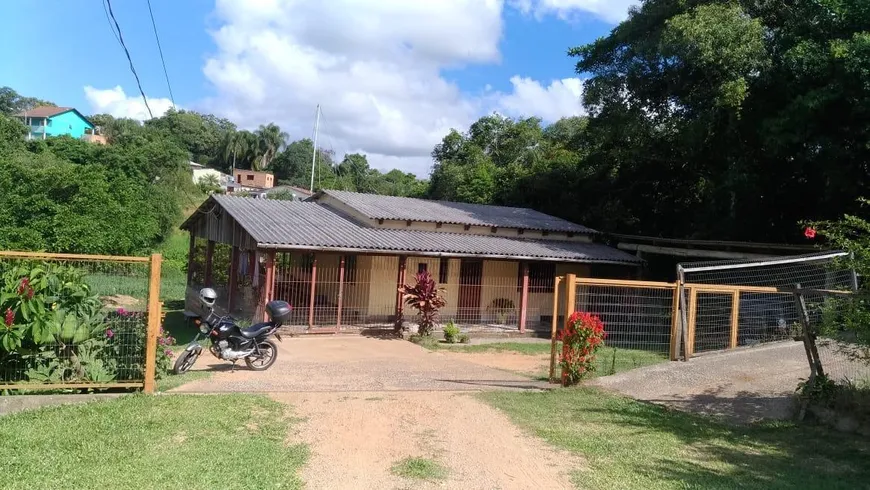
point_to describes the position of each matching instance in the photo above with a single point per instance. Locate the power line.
(165, 73)
(127, 52)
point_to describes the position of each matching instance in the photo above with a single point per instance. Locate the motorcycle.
(229, 342)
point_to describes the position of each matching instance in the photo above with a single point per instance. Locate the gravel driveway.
(742, 386)
(351, 363)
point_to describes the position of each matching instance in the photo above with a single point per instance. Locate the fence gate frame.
(684, 309)
(155, 316)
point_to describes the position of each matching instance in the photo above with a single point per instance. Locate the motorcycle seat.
(255, 330)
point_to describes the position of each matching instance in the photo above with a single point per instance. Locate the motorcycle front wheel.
(266, 357)
(184, 362)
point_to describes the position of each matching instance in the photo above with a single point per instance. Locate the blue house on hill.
(47, 121)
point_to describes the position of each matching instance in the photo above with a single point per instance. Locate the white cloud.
(562, 98)
(613, 11)
(115, 102)
(374, 66)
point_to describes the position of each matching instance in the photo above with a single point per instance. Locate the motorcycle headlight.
(203, 328)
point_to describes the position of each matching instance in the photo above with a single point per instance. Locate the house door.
(470, 280)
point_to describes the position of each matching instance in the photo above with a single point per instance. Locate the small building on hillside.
(339, 257)
(250, 179)
(201, 172)
(44, 121)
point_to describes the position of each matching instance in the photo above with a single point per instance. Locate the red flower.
(810, 232)
(23, 285)
(10, 317)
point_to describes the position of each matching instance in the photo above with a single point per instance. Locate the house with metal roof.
(44, 121)
(339, 257)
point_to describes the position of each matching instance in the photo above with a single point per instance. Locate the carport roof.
(295, 225)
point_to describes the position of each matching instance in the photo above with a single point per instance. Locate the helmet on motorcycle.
(208, 296)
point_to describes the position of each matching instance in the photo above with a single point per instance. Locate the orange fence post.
(554, 328)
(570, 300)
(153, 329)
(735, 317)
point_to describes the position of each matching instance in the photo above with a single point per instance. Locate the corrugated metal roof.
(310, 225)
(406, 208)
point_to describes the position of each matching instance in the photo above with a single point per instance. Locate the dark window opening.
(350, 268)
(542, 277)
(443, 271)
(250, 177)
(422, 267)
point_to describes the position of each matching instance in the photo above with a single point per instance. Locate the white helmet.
(208, 296)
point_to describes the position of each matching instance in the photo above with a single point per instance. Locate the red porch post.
(524, 297)
(313, 292)
(340, 292)
(234, 278)
(266, 288)
(209, 256)
(191, 252)
(270, 275)
(400, 281)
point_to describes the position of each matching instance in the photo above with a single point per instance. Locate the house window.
(239, 178)
(250, 177)
(542, 277)
(422, 267)
(443, 271)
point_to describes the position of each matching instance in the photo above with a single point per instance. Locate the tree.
(270, 140)
(11, 103)
(702, 113)
(199, 134)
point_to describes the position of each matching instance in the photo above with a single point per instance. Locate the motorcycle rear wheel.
(263, 361)
(184, 362)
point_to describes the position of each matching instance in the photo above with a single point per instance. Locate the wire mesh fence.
(74, 320)
(636, 316)
(829, 270)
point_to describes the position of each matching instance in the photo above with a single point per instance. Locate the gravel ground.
(367, 403)
(348, 364)
(356, 438)
(742, 386)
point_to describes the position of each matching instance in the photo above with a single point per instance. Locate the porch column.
(340, 292)
(270, 276)
(400, 281)
(234, 279)
(190, 254)
(524, 297)
(209, 256)
(313, 292)
(266, 287)
(252, 264)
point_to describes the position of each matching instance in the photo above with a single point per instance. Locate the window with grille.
(542, 277)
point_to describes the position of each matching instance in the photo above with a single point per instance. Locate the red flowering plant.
(581, 338)
(425, 297)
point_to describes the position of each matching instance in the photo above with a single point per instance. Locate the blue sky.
(392, 76)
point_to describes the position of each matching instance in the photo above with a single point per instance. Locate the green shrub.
(451, 332)
(464, 339)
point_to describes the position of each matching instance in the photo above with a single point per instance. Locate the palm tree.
(270, 141)
(234, 145)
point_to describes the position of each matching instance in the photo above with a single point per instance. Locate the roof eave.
(418, 253)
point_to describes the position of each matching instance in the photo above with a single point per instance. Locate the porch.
(332, 292)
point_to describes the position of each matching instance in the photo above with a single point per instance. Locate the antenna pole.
(314, 153)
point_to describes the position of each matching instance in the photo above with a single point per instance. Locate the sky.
(392, 77)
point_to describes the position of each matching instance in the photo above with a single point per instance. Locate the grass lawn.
(145, 442)
(609, 360)
(631, 444)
